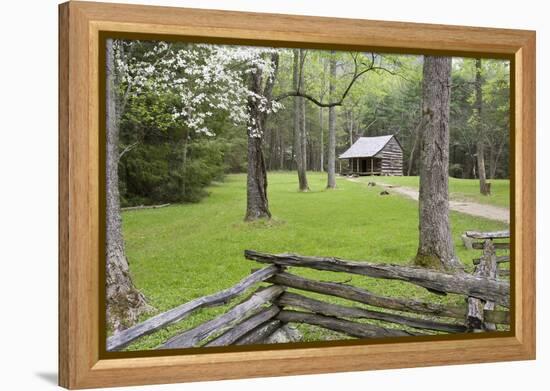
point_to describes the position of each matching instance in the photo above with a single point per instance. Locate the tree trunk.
(257, 206)
(331, 169)
(494, 159)
(411, 156)
(185, 149)
(299, 118)
(416, 136)
(281, 151)
(124, 302)
(322, 149)
(322, 117)
(303, 134)
(352, 126)
(469, 163)
(435, 248)
(480, 144)
(492, 162)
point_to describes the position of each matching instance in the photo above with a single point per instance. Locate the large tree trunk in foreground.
(331, 169)
(480, 145)
(299, 120)
(435, 248)
(124, 302)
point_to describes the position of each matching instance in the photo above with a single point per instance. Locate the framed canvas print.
(247, 195)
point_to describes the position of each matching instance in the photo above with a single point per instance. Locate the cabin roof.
(366, 147)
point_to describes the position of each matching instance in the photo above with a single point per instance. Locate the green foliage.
(388, 101)
(154, 174)
(494, 119)
(456, 170)
(183, 252)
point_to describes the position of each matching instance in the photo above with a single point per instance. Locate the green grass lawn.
(182, 252)
(460, 189)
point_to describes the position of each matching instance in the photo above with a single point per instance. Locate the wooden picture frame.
(81, 364)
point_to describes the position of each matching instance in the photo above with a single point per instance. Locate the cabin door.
(364, 165)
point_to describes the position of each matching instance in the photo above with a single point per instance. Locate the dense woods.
(327, 100)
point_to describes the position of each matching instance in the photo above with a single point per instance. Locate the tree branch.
(128, 148)
(356, 75)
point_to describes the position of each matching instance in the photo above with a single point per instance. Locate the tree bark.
(480, 144)
(185, 149)
(257, 206)
(435, 248)
(494, 159)
(468, 166)
(350, 126)
(124, 302)
(416, 136)
(281, 151)
(331, 169)
(492, 162)
(322, 141)
(303, 139)
(299, 119)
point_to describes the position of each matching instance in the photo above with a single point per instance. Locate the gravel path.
(490, 212)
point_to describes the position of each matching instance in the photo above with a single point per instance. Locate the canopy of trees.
(186, 117)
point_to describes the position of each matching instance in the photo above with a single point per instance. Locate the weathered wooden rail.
(487, 266)
(285, 298)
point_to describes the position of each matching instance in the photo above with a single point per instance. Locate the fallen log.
(488, 235)
(238, 331)
(123, 338)
(235, 315)
(260, 333)
(329, 309)
(139, 207)
(460, 283)
(354, 329)
(399, 304)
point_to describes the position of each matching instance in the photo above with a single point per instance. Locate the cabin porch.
(361, 166)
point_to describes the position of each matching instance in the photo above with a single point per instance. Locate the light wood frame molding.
(80, 24)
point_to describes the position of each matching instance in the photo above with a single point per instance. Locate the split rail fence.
(271, 307)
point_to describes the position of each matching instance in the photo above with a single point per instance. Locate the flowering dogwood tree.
(201, 80)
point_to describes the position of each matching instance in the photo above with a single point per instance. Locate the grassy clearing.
(460, 189)
(182, 252)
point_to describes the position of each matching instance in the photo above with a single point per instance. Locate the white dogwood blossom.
(204, 78)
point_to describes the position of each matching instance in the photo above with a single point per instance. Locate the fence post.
(486, 268)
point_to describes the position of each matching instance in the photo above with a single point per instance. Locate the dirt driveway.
(490, 212)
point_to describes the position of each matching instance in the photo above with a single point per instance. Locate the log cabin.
(380, 155)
